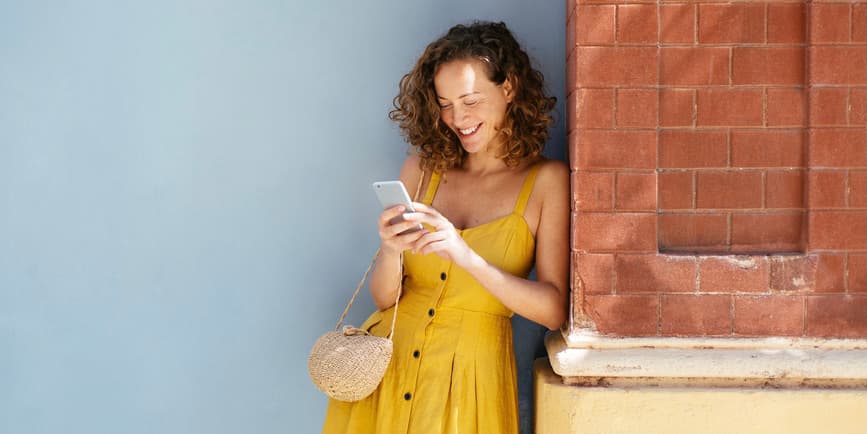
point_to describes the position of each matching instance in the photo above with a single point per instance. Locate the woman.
(477, 116)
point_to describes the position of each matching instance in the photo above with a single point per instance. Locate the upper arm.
(552, 235)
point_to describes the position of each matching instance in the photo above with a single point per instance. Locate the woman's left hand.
(445, 241)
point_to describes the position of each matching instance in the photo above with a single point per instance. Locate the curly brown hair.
(527, 119)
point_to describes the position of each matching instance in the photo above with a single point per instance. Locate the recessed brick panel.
(730, 107)
(784, 189)
(694, 66)
(786, 23)
(767, 148)
(729, 189)
(731, 23)
(763, 315)
(677, 23)
(690, 148)
(785, 107)
(767, 232)
(769, 66)
(733, 274)
(693, 232)
(842, 316)
(693, 315)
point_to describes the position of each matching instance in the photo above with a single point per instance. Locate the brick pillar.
(718, 166)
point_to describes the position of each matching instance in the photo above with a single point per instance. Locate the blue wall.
(185, 201)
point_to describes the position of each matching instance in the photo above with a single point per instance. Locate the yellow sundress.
(453, 368)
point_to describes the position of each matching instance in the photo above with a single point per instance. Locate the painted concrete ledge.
(589, 359)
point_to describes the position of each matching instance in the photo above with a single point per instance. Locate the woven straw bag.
(349, 364)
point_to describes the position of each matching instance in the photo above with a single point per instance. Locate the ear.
(509, 86)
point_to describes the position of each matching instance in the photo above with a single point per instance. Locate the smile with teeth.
(469, 131)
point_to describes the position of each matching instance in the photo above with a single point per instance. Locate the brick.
(624, 315)
(838, 65)
(636, 24)
(696, 315)
(571, 31)
(603, 149)
(767, 148)
(857, 189)
(598, 232)
(837, 230)
(698, 66)
(857, 109)
(829, 23)
(594, 191)
(572, 139)
(784, 189)
(829, 106)
(654, 273)
(597, 272)
(826, 189)
(593, 108)
(615, 66)
(693, 232)
(770, 66)
(728, 190)
(635, 192)
(675, 190)
(733, 274)
(731, 23)
(637, 108)
(687, 149)
(677, 23)
(830, 273)
(859, 23)
(838, 147)
(786, 107)
(786, 23)
(837, 316)
(676, 107)
(771, 232)
(594, 24)
(793, 273)
(857, 274)
(769, 316)
(729, 107)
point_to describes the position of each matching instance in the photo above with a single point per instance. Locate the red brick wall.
(718, 165)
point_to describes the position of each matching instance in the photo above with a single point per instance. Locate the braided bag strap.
(367, 272)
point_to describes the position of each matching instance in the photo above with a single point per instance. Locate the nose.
(459, 114)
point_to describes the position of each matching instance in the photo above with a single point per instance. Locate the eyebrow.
(466, 94)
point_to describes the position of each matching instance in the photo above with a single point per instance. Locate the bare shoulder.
(411, 173)
(553, 177)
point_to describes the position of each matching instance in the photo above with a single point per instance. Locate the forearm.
(385, 279)
(541, 302)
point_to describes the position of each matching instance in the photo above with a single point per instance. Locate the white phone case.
(393, 193)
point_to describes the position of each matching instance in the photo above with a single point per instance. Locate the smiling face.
(472, 105)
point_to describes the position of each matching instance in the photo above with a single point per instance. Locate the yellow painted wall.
(562, 409)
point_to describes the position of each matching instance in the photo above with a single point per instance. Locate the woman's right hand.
(394, 240)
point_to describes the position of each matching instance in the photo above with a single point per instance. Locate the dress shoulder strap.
(431, 188)
(526, 190)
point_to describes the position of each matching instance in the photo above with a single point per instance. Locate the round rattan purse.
(349, 364)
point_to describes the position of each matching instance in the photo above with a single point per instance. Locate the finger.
(390, 213)
(420, 207)
(401, 227)
(435, 247)
(428, 238)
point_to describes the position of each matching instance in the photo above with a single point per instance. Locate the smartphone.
(393, 193)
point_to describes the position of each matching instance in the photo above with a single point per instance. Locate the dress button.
(442, 276)
(416, 353)
(407, 396)
(430, 312)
